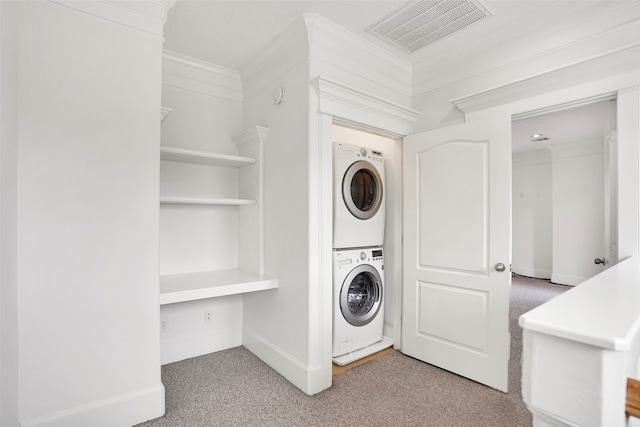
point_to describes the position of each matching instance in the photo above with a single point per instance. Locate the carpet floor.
(235, 388)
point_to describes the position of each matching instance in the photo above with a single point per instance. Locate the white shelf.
(208, 202)
(176, 288)
(192, 156)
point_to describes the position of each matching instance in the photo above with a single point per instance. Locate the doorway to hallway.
(563, 194)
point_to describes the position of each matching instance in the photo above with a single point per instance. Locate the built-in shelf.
(208, 202)
(164, 112)
(176, 288)
(192, 156)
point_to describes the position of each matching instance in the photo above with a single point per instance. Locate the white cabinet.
(579, 349)
(243, 192)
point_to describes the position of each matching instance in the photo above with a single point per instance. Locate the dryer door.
(362, 189)
(361, 295)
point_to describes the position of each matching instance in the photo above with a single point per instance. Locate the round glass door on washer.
(358, 311)
(361, 295)
(359, 197)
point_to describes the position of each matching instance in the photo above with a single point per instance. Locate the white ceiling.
(571, 125)
(230, 33)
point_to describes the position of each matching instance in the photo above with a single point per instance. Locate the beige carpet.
(235, 388)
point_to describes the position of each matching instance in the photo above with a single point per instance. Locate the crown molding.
(341, 52)
(608, 53)
(353, 107)
(147, 17)
(513, 61)
(608, 96)
(614, 62)
(202, 77)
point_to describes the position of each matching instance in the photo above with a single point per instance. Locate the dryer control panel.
(371, 155)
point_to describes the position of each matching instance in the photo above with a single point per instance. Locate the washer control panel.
(353, 256)
(344, 150)
(376, 254)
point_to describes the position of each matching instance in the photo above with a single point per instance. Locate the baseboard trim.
(124, 410)
(566, 279)
(532, 272)
(309, 379)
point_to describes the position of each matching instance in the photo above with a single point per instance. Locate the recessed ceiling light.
(537, 137)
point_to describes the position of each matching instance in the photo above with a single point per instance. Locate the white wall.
(276, 324)
(628, 158)
(87, 204)
(558, 212)
(578, 211)
(9, 359)
(532, 196)
(206, 103)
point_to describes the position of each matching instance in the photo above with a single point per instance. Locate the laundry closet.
(362, 297)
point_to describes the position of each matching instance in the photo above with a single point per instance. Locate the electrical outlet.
(164, 325)
(208, 315)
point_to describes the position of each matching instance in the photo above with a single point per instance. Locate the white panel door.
(457, 215)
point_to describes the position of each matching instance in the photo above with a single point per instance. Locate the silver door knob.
(599, 261)
(500, 267)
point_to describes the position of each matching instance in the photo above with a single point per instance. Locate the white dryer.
(358, 307)
(359, 199)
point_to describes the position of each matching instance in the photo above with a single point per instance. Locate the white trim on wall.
(590, 69)
(293, 369)
(121, 410)
(147, 17)
(376, 69)
(354, 108)
(344, 105)
(202, 77)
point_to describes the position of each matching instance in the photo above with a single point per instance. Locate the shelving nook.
(249, 274)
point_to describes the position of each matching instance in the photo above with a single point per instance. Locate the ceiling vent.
(420, 23)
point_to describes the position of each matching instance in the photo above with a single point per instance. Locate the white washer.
(359, 200)
(358, 309)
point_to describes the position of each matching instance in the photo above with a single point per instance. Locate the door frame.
(627, 215)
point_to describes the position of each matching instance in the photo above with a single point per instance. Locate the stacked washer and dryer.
(358, 262)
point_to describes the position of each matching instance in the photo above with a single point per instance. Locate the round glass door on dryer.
(358, 299)
(359, 196)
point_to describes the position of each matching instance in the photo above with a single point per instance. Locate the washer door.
(361, 295)
(362, 189)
